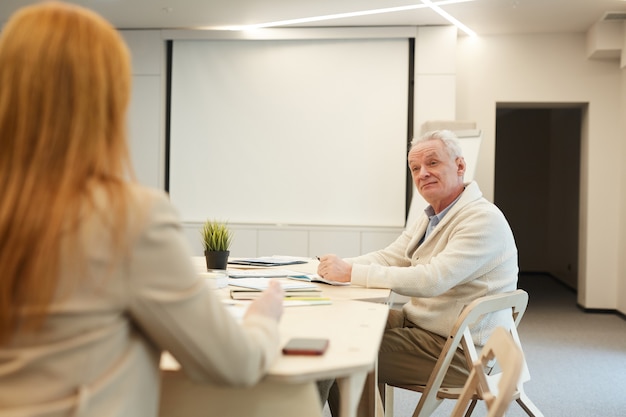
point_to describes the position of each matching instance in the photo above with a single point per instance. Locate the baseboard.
(552, 277)
(602, 311)
(569, 288)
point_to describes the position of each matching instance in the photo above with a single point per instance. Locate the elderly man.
(462, 249)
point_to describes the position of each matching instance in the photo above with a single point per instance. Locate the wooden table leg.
(350, 389)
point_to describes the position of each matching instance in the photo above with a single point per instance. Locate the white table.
(354, 329)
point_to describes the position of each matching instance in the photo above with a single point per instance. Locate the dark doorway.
(537, 185)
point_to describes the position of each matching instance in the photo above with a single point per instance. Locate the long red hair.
(64, 92)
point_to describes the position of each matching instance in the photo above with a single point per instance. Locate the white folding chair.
(496, 390)
(433, 393)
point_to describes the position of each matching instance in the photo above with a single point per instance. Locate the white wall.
(555, 69)
(146, 112)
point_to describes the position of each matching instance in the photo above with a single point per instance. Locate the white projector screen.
(310, 132)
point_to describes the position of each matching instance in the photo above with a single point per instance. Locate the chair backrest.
(497, 392)
(514, 301)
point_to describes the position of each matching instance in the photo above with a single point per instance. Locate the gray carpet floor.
(576, 359)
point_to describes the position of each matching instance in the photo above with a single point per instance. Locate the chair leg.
(388, 400)
(426, 408)
(380, 405)
(471, 407)
(529, 407)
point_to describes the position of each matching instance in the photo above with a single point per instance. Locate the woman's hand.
(270, 303)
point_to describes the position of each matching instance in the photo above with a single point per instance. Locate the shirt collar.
(430, 212)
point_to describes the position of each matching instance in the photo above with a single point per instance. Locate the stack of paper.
(258, 273)
(250, 294)
(314, 278)
(268, 261)
(262, 284)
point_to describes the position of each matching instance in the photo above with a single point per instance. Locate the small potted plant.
(216, 239)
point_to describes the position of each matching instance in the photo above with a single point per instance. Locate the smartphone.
(305, 346)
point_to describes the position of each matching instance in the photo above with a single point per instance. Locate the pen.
(318, 258)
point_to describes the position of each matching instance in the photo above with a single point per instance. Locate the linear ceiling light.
(424, 4)
(449, 18)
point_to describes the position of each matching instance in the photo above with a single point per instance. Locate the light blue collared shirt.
(434, 219)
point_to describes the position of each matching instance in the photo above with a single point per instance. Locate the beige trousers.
(407, 355)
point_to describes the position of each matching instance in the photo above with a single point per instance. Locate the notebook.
(263, 283)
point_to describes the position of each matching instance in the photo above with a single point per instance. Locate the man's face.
(438, 177)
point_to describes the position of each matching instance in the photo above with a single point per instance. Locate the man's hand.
(333, 268)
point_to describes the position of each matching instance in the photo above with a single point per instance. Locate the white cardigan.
(471, 253)
(98, 352)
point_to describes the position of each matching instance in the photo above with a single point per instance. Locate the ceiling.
(485, 17)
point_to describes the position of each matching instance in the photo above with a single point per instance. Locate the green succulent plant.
(216, 235)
